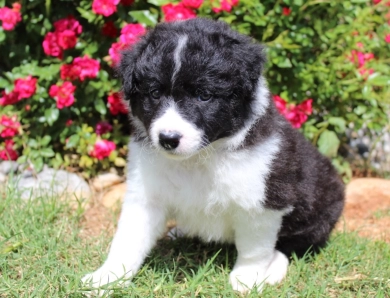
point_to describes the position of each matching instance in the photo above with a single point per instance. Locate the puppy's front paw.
(101, 281)
(277, 270)
(245, 278)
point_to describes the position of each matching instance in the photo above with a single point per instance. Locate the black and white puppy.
(211, 151)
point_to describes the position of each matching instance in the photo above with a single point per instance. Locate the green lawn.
(42, 255)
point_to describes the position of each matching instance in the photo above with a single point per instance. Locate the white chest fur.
(204, 192)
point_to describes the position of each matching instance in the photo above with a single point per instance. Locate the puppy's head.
(191, 83)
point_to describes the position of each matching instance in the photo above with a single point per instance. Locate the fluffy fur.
(237, 172)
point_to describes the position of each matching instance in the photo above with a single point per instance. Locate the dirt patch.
(97, 219)
(367, 208)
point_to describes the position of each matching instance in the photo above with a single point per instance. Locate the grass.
(43, 255)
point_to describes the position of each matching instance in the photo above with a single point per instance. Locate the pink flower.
(194, 4)
(225, 5)
(102, 149)
(51, 46)
(89, 68)
(69, 23)
(115, 52)
(176, 12)
(25, 87)
(63, 94)
(295, 114)
(9, 126)
(103, 127)
(9, 99)
(365, 72)
(67, 39)
(116, 105)
(8, 153)
(131, 33)
(286, 11)
(280, 103)
(387, 38)
(81, 68)
(10, 17)
(109, 29)
(69, 72)
(127, 2)
(104, 7)
(68, 122)
(306, 106)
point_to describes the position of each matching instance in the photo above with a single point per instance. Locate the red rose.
(68, 122)
(295, 114)
(88, 67)
(115, 52)
(9, 127)
(280, 103)
(130, 33)
(116, 105)
(102, 149)
(176, 12)
(286, 11)
(63, 94)
(51, 46)
(67, 39)
(306, 106)
(296, 117)
(9, 99)
(10, 17)
(69, 23)
(109, 29)
(104, 7)
(81, 68)
(69, 72)
(103, 127)
(8, 153)
(25, 87)
(195, 4)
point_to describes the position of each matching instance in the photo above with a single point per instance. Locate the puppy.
(211, 151)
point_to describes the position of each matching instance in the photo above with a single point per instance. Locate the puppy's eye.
(205, 96)
(155, 93)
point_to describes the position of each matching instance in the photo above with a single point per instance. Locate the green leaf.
(338, 122)
(38, 164)
(86, 14)
(72, 141)
(144, 17)
(47, 152)
(100, 106)
(328, 143)
(158, 2)
(45, 141)
(33, 143)
(379, 80)
(51, 115)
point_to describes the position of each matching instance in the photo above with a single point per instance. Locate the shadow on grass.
(191, 254)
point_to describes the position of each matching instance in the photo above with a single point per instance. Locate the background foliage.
(333, 52)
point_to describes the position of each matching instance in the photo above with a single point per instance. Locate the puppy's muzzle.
(169, 140)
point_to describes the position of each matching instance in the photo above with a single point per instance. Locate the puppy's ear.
(125, 71)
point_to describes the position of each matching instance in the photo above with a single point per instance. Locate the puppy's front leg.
(257, 261)
(141, 223)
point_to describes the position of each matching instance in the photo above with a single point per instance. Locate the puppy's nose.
(169, 140)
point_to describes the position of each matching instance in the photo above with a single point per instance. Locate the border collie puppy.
(210, 150)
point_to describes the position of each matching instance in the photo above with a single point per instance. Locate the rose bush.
(60, 104)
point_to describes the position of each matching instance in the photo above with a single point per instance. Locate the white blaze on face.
(176, 55)
(172, 121)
